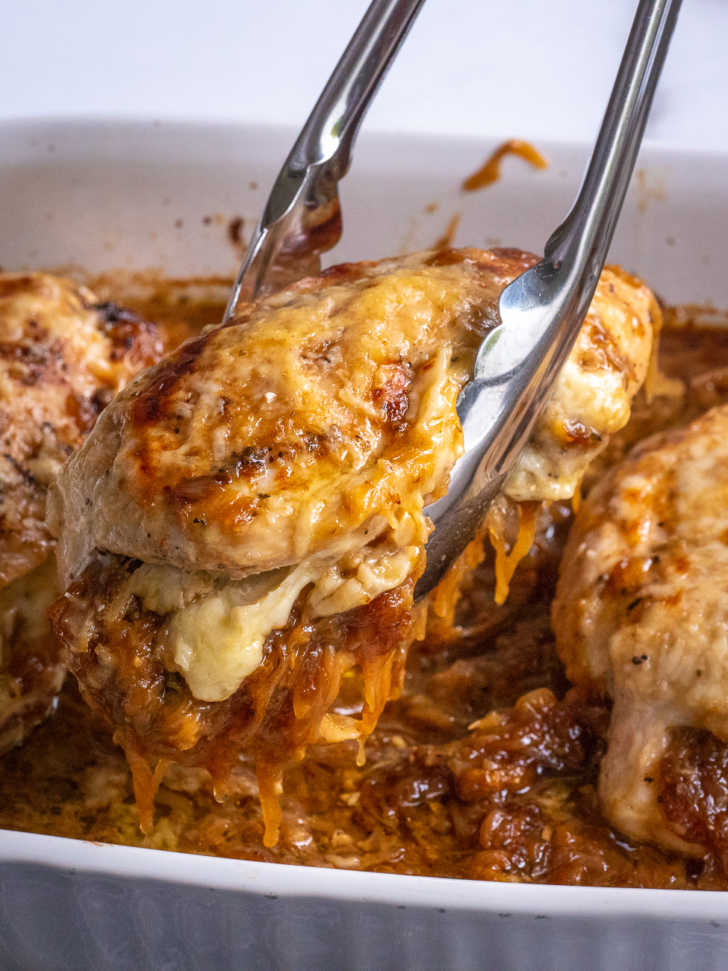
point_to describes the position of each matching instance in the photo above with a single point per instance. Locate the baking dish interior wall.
(161, 195)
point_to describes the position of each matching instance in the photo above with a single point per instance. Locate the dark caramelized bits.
(693, 788)
(154, 402)
(511, 750)
(131, 335)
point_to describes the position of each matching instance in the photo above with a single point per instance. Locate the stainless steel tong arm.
(322, 152)
(542, 311)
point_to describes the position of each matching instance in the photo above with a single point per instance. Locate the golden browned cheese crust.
(327, 406)
(641, 611)
(314, 412)
(63, 355)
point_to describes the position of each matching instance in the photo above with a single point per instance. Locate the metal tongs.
(302, 217)
(541, 312)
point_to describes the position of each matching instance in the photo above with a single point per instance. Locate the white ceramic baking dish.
(104, 195)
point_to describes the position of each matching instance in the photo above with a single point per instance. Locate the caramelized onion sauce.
(486, 765)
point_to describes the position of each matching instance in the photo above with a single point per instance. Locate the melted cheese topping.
(62, 353)
(370, 574)
(218, 641)
(217, 630)
(641, 610)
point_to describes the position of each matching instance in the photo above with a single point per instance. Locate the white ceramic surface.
(106, 195)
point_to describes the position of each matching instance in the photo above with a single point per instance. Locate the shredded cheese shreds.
(506, 561)
(270, 788)
(145, 782)
(444, 598)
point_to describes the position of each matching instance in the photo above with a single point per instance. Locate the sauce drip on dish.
(490, 171)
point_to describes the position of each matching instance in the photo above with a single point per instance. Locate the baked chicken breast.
(241, 533)
(641, 612)
(63, 355)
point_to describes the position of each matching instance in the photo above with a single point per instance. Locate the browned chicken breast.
(244, 527)
(63, 356)
(641, 611)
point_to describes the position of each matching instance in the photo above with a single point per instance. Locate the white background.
(529, 68)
